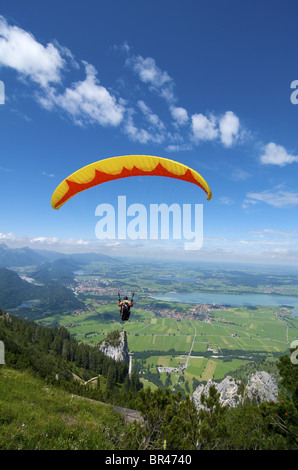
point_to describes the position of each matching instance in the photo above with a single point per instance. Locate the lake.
(244, 300)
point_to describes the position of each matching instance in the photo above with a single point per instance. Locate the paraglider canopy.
(122, 167)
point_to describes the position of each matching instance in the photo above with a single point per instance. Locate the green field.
(216, 348)
(212, 341)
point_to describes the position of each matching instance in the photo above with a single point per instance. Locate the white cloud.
(276, 155)
(270, 233)
(226, 128)
(179, 114)
(7, 236)
(135, 134)
(140, 135)
(152, 118)
(42, 241)
(204, 128)
(150, 73)
(123, 48)
(7, 170)
(20, 51)
(178, 147)
(225, 200)
(229, 128)
(276, 198)
(86, 101)
(66, 52)
(239, 175)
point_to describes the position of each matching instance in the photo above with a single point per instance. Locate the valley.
(175, 343)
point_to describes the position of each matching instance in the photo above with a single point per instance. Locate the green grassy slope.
(36, 415)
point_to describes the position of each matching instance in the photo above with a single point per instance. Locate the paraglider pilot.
(125, 305)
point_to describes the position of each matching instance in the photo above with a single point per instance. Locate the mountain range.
(16, 257)
(52, 296)
(20, 257)
(52, 272)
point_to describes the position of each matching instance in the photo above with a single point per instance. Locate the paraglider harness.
(125, 305)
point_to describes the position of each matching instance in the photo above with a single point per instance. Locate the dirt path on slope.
(129, 415)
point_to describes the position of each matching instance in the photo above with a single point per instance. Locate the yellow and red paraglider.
(122, 167)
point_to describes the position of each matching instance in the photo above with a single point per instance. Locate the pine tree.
(126, 385)
(211, 420)
(111, 382)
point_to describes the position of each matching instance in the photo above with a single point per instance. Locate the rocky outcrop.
(115, 346)
(261, 386)
(228, 389)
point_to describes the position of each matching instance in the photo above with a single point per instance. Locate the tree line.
(173, 423)
(53, 354)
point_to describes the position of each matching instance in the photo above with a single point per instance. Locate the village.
(201, 312)
(95, 285)
(104, 288)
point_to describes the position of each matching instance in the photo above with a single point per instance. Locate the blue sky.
(204, 83)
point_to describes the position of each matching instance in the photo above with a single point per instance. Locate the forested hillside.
(32, 406)
(52, 296)
(53, 354)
